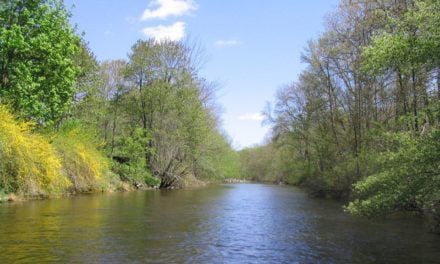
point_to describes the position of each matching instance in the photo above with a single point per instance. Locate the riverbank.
(431, 215)
(189, 183)
(121, 187)
(236, 181)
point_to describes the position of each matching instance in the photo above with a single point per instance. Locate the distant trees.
(261, 164)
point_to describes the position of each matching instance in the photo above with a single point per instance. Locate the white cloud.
(251, 117)
(174, 32)
(226, 43)
(108, 32)
(163, 9)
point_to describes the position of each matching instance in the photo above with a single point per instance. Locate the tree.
(37, 67)
(362, 120)
(171, 105)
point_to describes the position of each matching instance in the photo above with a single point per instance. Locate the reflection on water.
(247, 223)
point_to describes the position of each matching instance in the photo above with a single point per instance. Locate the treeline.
(69, 123)
(362, 120)
(157, 116)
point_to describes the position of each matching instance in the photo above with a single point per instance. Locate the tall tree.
(37, 67)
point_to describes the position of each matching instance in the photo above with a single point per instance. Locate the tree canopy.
(37, 50)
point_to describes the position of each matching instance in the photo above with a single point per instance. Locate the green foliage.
(262, 163)
(152, 114)
(41, 60)
(37, 49)
(135, 170)
(85, 166)
(410, 43)
(3, 195)
(218, 161)
(256, 164)
(362, 120)
(165, 96)
(408, 177)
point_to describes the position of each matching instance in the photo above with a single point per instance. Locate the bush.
(135, 170)
(408, 177)
(3, 196)
(29, 164)
(136, 174)
(86, 167)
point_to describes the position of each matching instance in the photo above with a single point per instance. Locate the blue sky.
(252, 47)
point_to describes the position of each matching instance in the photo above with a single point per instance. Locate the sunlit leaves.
(37, 52)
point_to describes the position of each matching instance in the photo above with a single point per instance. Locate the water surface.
(243, 223)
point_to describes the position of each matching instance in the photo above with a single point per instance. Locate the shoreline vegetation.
(71, 124)
(361, 122)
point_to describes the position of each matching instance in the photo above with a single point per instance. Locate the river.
(242, 223)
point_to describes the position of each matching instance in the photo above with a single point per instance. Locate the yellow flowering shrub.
(86, 167)
(28, 162)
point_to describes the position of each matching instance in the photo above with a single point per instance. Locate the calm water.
(247, 223)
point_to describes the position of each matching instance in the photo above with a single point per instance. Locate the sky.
(251, 47)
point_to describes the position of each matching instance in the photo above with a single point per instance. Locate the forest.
(360, 123)
(71, 124)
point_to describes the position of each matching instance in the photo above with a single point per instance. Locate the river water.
(243, 223)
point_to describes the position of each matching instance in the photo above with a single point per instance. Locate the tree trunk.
(415, 99)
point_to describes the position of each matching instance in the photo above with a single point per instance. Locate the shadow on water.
(244, 223)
